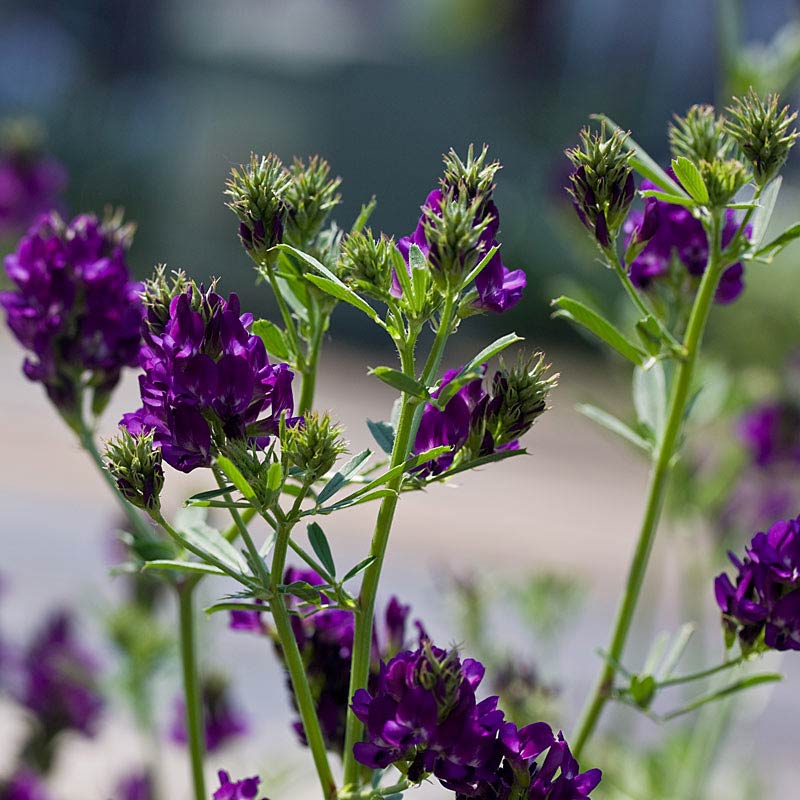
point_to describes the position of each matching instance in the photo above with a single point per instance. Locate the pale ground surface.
(574, 505)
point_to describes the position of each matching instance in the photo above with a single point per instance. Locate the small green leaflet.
(768, 252)
(611, 423)
(273, 337)
(690, 178)
(400, 381)
(350, 469)
(383, 434)
(320, 546)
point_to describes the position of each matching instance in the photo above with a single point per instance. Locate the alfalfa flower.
(135, 464)
(245, 789)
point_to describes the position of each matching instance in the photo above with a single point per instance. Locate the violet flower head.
(771, 432)
(24, 785)
(59, 681)
(523, 774)
(75, 309)
(206, 379)
(31, 184)
(249, 621)
(223, 721)
(765, 598)
(671, 230)
(136, 786)
(423, 715)
(325, 640)
(245, 789)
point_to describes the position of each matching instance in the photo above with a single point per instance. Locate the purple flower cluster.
(75, 307)
(325, 640)
(24, 785)
(245, 789)
(771, 432)
(30, 185)
(206, 378)
(423, 715)
(59, 681)
(499, 288)
(672, 230)
(136, 786)
(765, 599)
(221, 719)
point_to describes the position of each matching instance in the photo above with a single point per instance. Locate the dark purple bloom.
(222, 721)
(24, 785)
(671, 230)
(250, 621)
(30, 184)
(499, 288)
(765, 599)
(771, 432)
(245, 789)
(423, 714)
(75, 307)
(206, 377)
(59, 681)
(136, 786)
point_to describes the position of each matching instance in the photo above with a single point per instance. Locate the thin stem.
(296, 668)
(362, 642)
(311, 363)
(376, 794)
(191, 687)
(286, 315)
(657, 489)
(704, 673)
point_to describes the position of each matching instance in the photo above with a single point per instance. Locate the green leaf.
(400, 381)
(666, 197)
(763, 215)
(613, 424)
(211, 494)
(584, 316)
(690, 178)
(274, 476)
(768, 252)
(189, 567)
(482, 264)
(304, 590)
(273, 337)
(642, 689)
(650, 398)
(473, 368)
(363, 216)
(211, 542)
(235, 477)
(642, 162)
(319, 544)
(342, 477)
(362, 565)
(383, 434)
(733, 688)
(346, 294)
(477, 462)
(234, 606)
(357, 500)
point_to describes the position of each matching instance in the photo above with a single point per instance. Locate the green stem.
(296, 668)
(191, 687)
(286, 315)
(376, 794)
(704, 673)
(311, 363)
(655, 497)
(362, 642)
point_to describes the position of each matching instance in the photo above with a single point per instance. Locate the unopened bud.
(313, 446)
(309, 198)
(366, 263)
(700, 135)
(135, 464)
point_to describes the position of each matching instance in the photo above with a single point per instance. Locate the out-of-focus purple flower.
(75, 308)
(206, 377)
(771, 432)
(520, 775)
(30, 184)
(765, 599)
(423, 715)
(245, 789)
(24, 785)
(136, 786)
(250, 621)
(671, 230)
(59, 681)
(498, 287)
(222, 720)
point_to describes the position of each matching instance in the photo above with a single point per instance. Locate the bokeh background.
(149, 104)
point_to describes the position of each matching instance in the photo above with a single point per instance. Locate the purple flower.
(24, 785)
(136, 786)
(75, 307)
(206, 377)
(30, 185)
(672, 230)
(423, 714)
(222, 721)
(245, 789)
(59, 685)
(765, 599)
(771, 432)
(250, 621)
(499, 288)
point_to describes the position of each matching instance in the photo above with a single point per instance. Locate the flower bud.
(366, 264)
(309, 198)
(135, 464)
(473, 178)
(257, 193)
(763, 132)
(313, 446)
(723, 179)
(700, 135)
(158, 294)
(602, 186)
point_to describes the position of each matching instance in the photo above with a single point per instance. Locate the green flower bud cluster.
(700, 135)
(309, 198)
(366, 263)
(473, 178)
(158, 293)
(135, 464)
(313, 446)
